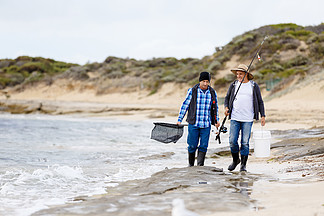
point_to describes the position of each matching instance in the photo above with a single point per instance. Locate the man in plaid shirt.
(201, 104)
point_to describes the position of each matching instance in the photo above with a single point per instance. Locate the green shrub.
(24, 58)
(275, 67)
(287, 73)
(215, 65)
(34, 77)
(314, 38)
(36, 66)
(187, 60)
(297, 61)
(272, 45)
(265, 71)
(115, 74)
(286, 26)
(294, 44)
(320, 37)
(222, 82)
(11, 69)
(317, 50)
(300, 34)
(169, 78)
(22, 67)
(243, 38)
(223, 58)
(171, 61)
(58, 67)
(154, 86)
(11, 79)
(4, 81)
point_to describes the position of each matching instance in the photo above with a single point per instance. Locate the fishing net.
(166, 133)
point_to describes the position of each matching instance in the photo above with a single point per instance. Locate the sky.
(86, 31)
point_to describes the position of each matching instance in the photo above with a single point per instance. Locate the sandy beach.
(285, 199)
(296, 188)
(295, 191)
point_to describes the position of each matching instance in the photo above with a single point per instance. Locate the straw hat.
(244, 68)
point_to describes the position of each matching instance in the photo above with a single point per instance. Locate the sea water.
(51, 160)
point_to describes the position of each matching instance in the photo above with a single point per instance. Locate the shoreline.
(275, 119)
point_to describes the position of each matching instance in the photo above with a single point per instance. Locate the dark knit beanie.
(204, 76)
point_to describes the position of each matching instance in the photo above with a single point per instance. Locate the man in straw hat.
(242, 110)
(201, 104)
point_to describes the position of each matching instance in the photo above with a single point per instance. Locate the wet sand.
(197, 186)
(278, 198)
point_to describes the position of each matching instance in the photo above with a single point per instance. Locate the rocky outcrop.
(203, 189)
(64, 107)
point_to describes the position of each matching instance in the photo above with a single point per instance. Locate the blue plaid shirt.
(203, 107)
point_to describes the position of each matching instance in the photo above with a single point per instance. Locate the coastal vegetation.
(26, 70)
(290, 50)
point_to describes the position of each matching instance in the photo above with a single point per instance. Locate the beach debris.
(202, 182)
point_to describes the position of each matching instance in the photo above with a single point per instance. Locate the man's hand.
(178, 123)
(226, 111)
(217, 124)
(262, 121)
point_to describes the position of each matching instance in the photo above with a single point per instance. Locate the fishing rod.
(257, 52)
(223, 128)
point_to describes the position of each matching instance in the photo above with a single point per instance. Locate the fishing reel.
(223, 130)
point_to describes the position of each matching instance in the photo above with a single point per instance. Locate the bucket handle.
(262, 131)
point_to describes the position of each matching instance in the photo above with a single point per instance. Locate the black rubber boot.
(243, 163)
(236, 161)
(191, 157)
(201, 158)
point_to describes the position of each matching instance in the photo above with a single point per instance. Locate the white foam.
(26, 191)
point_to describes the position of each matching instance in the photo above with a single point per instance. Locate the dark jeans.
(245, 128)
(194, 133)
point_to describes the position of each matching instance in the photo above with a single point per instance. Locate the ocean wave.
(25, 191)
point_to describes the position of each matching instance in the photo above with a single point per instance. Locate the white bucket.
(262, 140)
